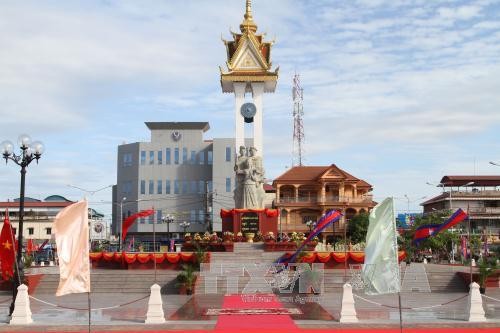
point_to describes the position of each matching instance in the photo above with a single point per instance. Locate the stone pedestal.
(22, 311)
(475, 309)
(348, 311)
(155, 313)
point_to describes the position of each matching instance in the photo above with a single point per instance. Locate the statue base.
(250, 220)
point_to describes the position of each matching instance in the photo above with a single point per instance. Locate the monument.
(249, 75)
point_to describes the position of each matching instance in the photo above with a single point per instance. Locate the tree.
(441, 243)
(357, 227)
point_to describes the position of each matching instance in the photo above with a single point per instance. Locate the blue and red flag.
(325, 220)
(428, 230)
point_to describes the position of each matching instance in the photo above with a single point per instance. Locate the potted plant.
(239, 237)
(258, 237)
(486, 268)
(186, 279)
(187, 238)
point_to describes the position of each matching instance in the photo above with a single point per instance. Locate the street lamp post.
(168, 219)
(184, 225)
(29, 152)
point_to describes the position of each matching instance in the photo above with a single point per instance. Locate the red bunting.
(7, 250)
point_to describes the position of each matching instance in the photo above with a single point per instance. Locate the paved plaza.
(127, 310)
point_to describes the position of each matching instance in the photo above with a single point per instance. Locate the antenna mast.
(298, 126)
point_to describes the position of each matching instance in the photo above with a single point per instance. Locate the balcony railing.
(328, 199)
(484, 210)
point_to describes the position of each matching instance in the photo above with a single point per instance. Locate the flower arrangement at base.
(206, 237)
(269, 237)
(283, 237)
(239, 237)
(258, 237)
(197, 237)
(228, 237)
(187, 237)
(214, 239)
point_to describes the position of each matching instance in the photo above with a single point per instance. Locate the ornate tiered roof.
(248, 56)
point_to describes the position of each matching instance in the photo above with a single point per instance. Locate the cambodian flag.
(424, 231)
(428, 230)
(325, 220)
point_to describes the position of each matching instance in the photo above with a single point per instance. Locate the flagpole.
(470, 243)
(345, 249)
(154, 245)
(398, 271)
(90, 268)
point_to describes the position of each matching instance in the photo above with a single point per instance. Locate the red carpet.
(254, 322)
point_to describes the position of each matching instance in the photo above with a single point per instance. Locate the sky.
(396, 92)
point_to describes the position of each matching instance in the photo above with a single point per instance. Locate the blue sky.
(397, 92)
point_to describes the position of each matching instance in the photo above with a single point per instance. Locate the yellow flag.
(71, 230)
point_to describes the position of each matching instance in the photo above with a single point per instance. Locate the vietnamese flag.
(7, 250)
(129, 221)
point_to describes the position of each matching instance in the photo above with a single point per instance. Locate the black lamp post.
(168, 219)
(30, 151)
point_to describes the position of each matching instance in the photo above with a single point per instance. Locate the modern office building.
(304, 193)
(477, 195)
(179, 174)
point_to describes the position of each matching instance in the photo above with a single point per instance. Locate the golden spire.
(248, 23)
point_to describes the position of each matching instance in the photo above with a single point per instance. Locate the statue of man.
(239, 164)
(258, 174)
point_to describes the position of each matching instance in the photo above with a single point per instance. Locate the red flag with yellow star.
(7, 251)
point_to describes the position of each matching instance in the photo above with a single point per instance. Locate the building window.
(143, 157)
(167, 186)
(159, 187)
(228, 154)
(141, 220)
(158, 217)
(48, 231)
(228, 184)
(151, 157)
(184, 155)
(151, 219)
(151, 187)
(210, 157)
(194, 186)
(160, 157)
(31, 231)
(193, 215)
(201, 216)
(201, 157)
(201, 186)
(127, 187)
(210, 186)
(143, 187)
(185, 187)
(193, 157)
(176, 186)
(167, 156)
(127, 159)
(176, 156)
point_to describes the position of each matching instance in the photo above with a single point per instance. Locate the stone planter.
(250, 237)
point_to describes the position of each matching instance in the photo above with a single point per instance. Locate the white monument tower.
(248, 71)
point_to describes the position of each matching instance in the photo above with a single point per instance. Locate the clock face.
(248, 110)
(176, 135)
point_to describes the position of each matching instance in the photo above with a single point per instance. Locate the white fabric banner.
(71, 230)
(381, 269)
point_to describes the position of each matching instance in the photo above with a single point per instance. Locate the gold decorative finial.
(248, 24)
(248, 13)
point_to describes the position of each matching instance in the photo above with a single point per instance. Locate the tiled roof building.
(304, 193)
